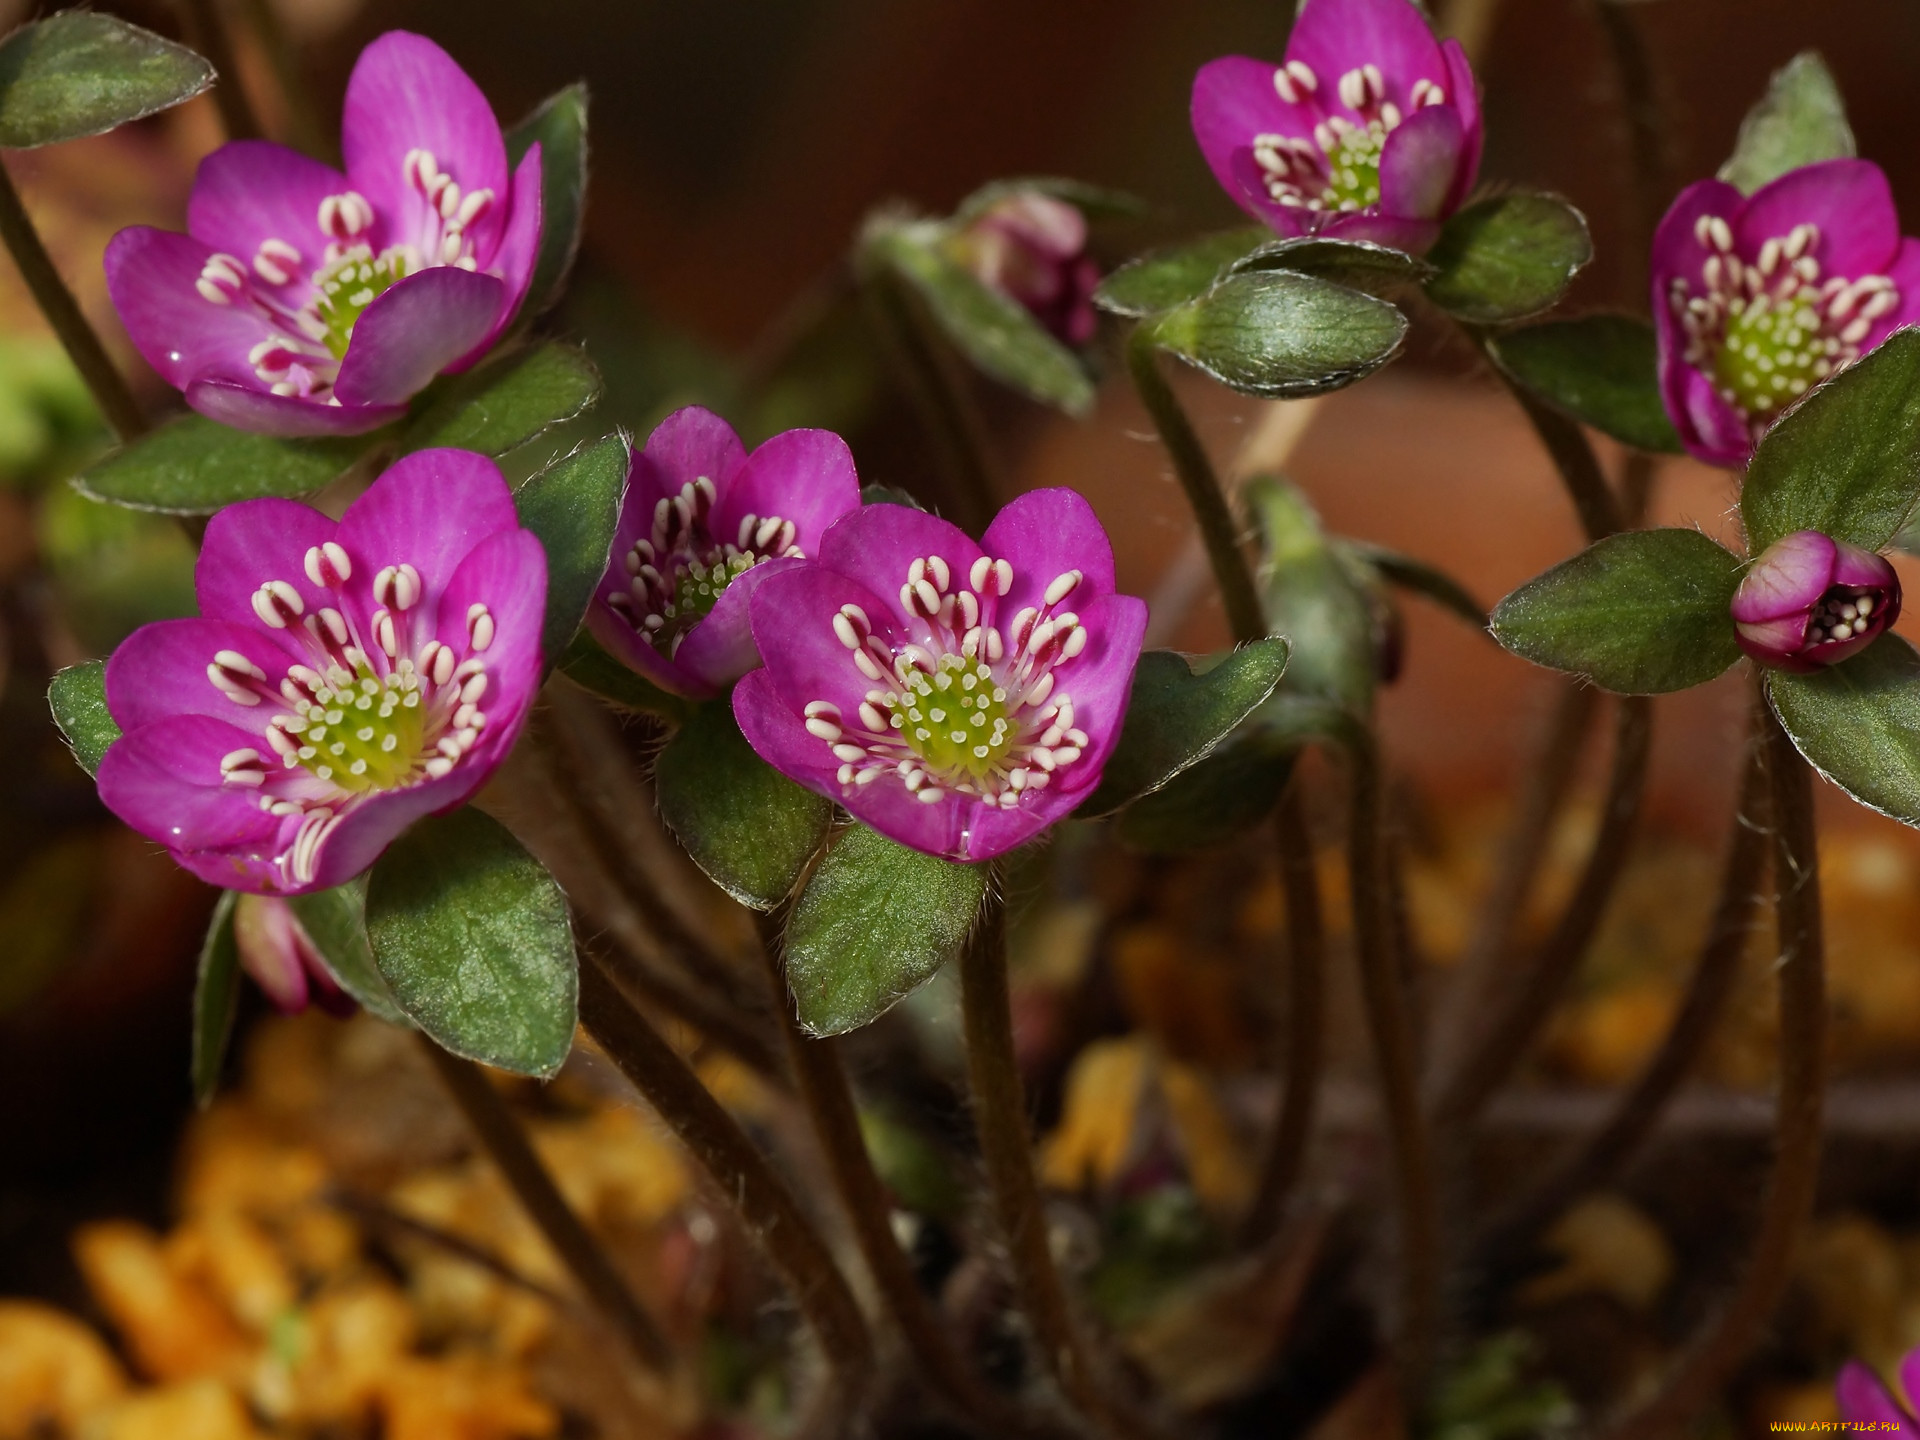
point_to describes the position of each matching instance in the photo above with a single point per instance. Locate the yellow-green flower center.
(954, 719)
(348, 285)
(362, 734)
(1353, 166)
(698, 588)
(1773, 352)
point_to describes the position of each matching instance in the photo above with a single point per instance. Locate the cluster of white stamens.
(302, 357)
(675, 576)
(1843, 613)
(361, 718)
(1338, 170)
(1766, 331)
(973, 707)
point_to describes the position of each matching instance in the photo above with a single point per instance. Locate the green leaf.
(1846, 460)
(1417, 577)
(1176, 717)
(472, 937)
(1162, 279)
(1600, 369)
(78, 73)
(216, 995)
(508, 401)
(1357, 264)
(336, 922)
(573, 506)
(1858, 724)
(874, 923)
(1638, 614)
(1280, 335)
(78, 698)
(1799, 121)
(874, 493)
(745, 824)
(589, 666)
(560, 125)
(195, 466)
(1224, 796)
(1508, 257)
(1317, 597)
(1096, 202)
(997, 334)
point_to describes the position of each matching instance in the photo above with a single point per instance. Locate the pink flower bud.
(1810, 600)
(276, 952)
(1032, 248)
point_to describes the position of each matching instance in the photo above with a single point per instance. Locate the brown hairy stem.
(512, 1153)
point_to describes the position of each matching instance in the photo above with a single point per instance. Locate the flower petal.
(1905, 274)
(161, 670)
(164, 780)
(1044, 534)
(806, 476)
(623, 642)
(1711, 428)
(151, 275)
(1335, 36)
(1863, 1399)
(1420, 162)
(1464, 95)
(877, 544)
(407, 94)
(780, 736)
(366, 828)
(251, 191)
(427, 323)
(1788, 579)
(1234, 100)
(513, 261)
(1398, 232)
(793, 615)
(249, 544)
(689, 443)
(888, 806)
(720, 649)
(506, 572)
(1848, 199)
(248, 405)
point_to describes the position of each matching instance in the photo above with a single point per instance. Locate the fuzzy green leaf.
(472, 937)
(1508, 257)
(1858, 724)
(508, 401)
(573, 506)
(1317, 597)
(749, 827)
(216, 996)
(1639, 614)
(336, 922)
(1846, 460)
(560, 125)
(1800, 120)
(1222, 797)
(78, 698)
(874, 923)
(1162, 279)
(1280, 335)
(1176, 717)
(1357, 264)
(194, 466)
(1600, 369)
(79, 73)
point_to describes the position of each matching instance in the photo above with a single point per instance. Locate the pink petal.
(519, 247)
(1398, 232)
(1863, 1399)
(1335, 36)
(1464, 95)
(1848, 199)
(1420, 162)
(1044, 534)
(1710, 427)
(376, 822)
(164, 780)
(780, 736)
(1788, 578)
(506, 572)
(151, 275)
(805, 476)
(421, 326)
(249, 544)
(793, 617)
(249, 405)
(620, 640)
(720, 649)
(1234, 100)
(879, 543)
(888, 806)
(161, 670)
(251, 191)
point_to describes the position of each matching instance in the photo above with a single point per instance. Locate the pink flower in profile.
(702, 523)
(1758, 298)
(1865, 1402)
(957, 697)
(283, 962)
(1369, 129)
(1032, 248)
(1810, 601)
(304, 301)
(343, 679)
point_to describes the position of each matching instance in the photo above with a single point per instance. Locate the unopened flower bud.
(1032, 248)
(1810, 601)
(276, 952)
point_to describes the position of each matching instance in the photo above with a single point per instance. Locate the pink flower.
(302, 301)
(1757, 298)
(1811, 601)
(343, 679)
(702, 524)
(1032, 248)
(1369, 129)
(283, 962)
(957, 697)
(1864, 1400)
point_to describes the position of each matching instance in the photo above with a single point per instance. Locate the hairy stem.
(207, 32)
(740, 1172)
(1593, 1164)
(1725, 1340)
(1306, 1019)
(1391, 1028)
(1520, 1011)
(512, 1153)
(108, 386)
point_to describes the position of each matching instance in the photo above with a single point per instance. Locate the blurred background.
(736, 146)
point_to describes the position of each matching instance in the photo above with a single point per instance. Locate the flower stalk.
(207, 32)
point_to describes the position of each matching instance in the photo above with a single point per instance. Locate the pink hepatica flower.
(302, 301)
(702, 524)
(283, 962)
(1759, 297)
(1865, 1401)
(343, 679)
(1811, 601)
(1032, 248)
(956, 697)
(1368, 130)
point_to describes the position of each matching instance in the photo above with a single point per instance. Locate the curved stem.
(1648, 135)
(1390, 1026)
(1638, 1111)
(715, 1021)
(1788, 1207)
(303, 121)
(1521, 1011)
(207, 33)
(108, 386)
(828, 1098)
(1306, 1020)
(512, 1153)
(1572, 456)
(741, 1173)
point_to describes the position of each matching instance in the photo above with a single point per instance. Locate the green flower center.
(698, 588)
(1353, 166)
(1774, 352)
(954, 719)
(362, 734)
(348, 285)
